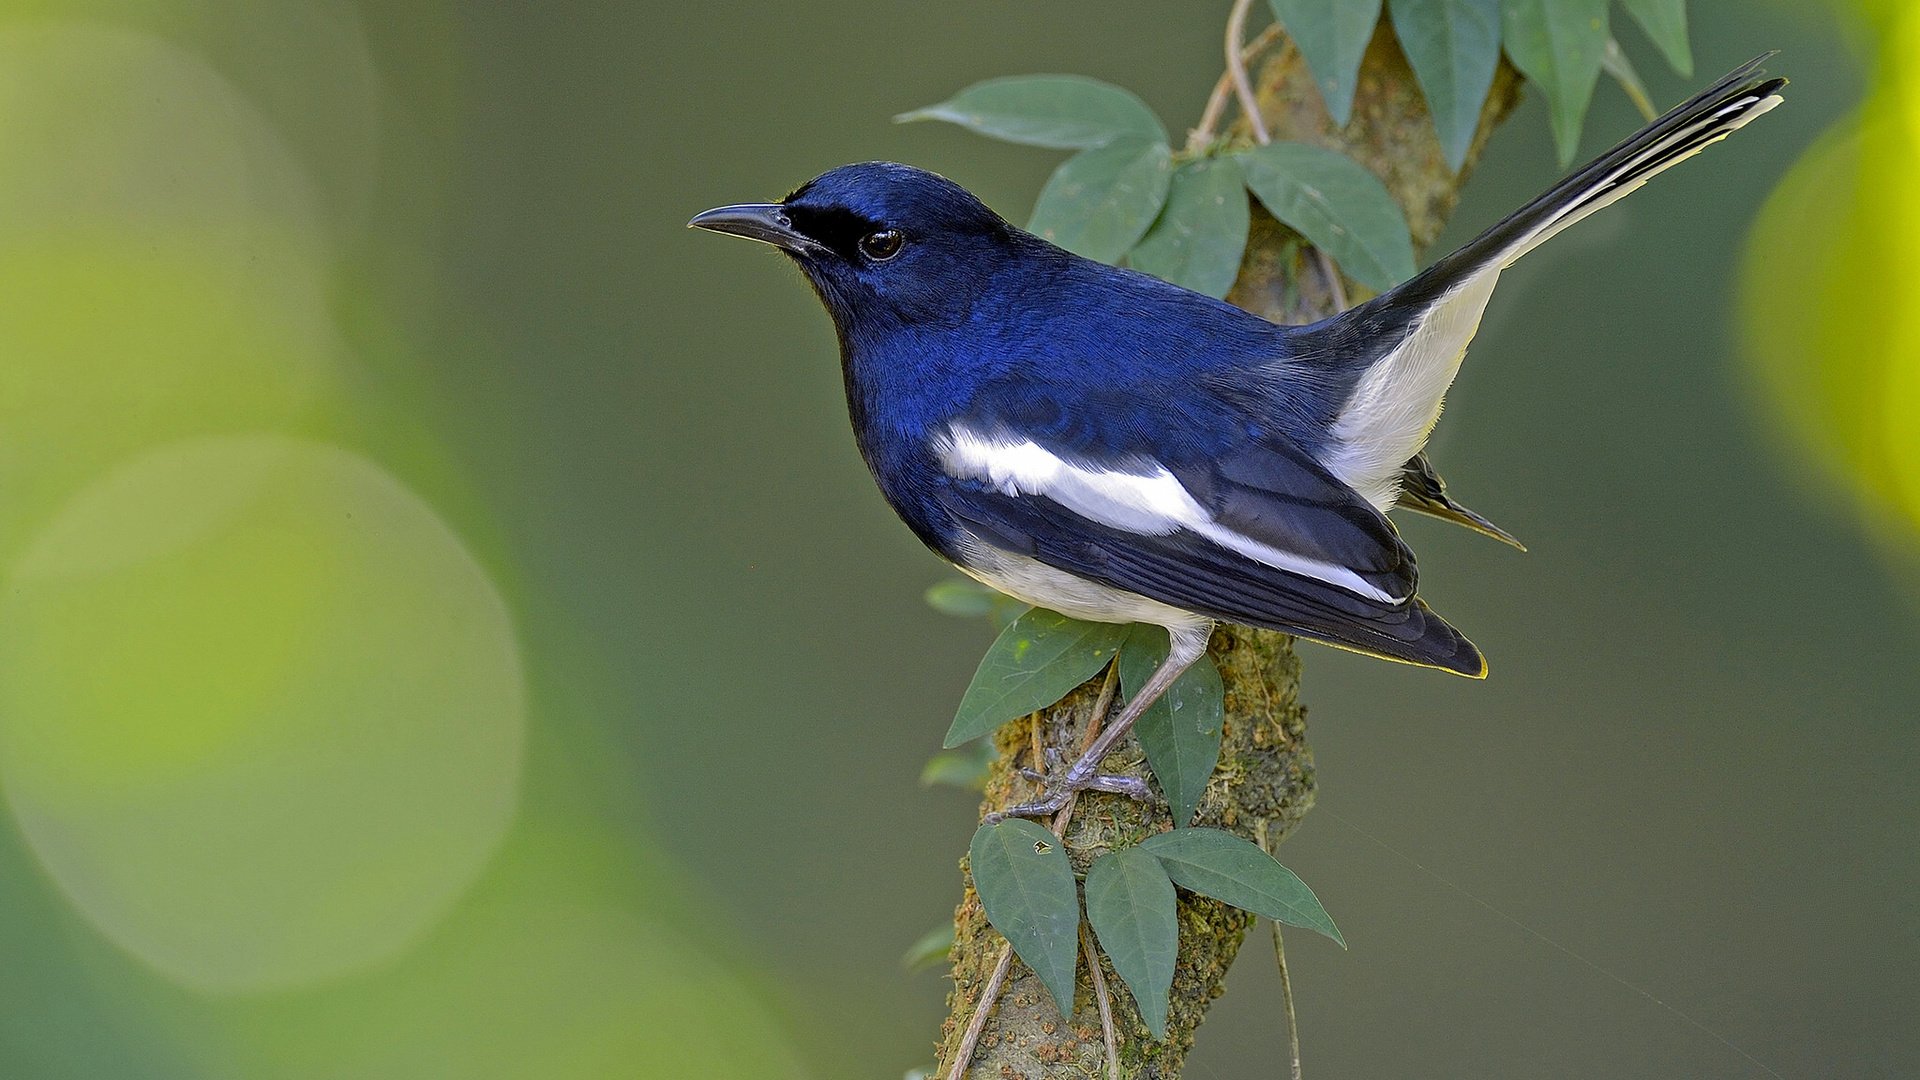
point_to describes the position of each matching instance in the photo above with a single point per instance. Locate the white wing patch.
(1144, 499)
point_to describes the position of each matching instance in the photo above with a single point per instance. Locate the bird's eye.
(883, 245)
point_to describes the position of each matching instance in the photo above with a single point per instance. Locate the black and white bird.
(1100, 443)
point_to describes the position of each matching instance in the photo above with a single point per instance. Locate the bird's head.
(884, 245)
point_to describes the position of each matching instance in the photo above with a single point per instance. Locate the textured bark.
(1264, 784)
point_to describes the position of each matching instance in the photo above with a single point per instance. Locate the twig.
(1037, 745)
(1286, 1000)
(1335, 287)
(1286, 982)
(979, 1022)
(991, 994)
(1105, 1001)
(1209, 127)
(1095, 719)
(1237, 69)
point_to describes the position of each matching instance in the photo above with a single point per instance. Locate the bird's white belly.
(1044, 586)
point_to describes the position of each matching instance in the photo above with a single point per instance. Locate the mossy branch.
(1265, 782)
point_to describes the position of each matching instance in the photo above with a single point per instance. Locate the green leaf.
(966, 598)
(1202, 233)
(1134, 912)
(1025, 884)
(1181, 731)
(1332, 35)
(1063, 112)
(962, 768)
(1665, 21)
(1235, 871)
(1454, 47)
(1100, 202)
(1032, 664)
(930, 951)
(960, 597)
(1559, 45)
(1337, 205)
(1615, 63)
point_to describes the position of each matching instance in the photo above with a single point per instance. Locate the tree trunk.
(1264, 783)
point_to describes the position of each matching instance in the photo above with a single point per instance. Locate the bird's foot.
(1132, 787)
(1062, 787)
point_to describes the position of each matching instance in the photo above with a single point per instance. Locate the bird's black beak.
(765, 222)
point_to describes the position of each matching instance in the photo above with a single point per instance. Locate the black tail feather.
(1684, 130)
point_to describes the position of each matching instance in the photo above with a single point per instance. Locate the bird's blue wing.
(1257, 533)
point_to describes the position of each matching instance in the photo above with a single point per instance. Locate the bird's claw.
(1061, 788)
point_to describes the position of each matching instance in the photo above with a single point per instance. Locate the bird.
(1103, 444)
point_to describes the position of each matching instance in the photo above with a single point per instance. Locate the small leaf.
(1616, 64)
(1235, 871)
(966, 598)
(1181, 731)
(960, 597)
(1063, 112)
(1202, 233)
(1025, 884)
(1559, 45)
(1665, 21)
(1032, 664)
(1134, 911)
(963, 768)
(930, 951)
(1337, 205)
(1454, 47)
(1332, 35)
(1100, 202)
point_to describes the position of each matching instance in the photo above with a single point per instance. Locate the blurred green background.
(448, 632)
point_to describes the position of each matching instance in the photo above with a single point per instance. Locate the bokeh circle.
(261, 712)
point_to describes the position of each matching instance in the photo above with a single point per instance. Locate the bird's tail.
(1402, 348)
(1685, 130)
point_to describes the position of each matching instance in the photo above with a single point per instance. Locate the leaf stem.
(1209, 127)
(1237, 70)
(1286, 982)
(1286, 1001)
(1336, 288)
(1616, 64)
(1105, 1001)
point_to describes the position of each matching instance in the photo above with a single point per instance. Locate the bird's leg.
(1186, 644)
